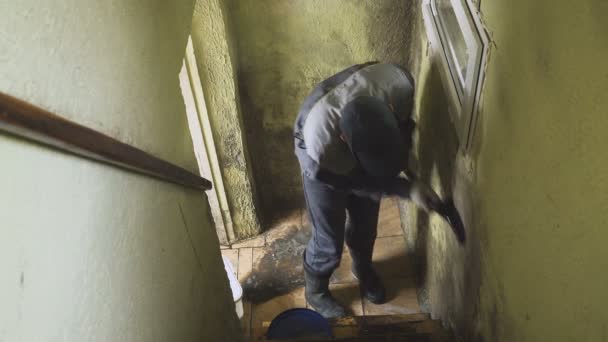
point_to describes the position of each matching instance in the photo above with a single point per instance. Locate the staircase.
(391, 328)
(270, 270)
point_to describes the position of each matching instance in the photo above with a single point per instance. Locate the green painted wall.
(215, 51)
(533, 188)
(87, 251)
(284, 48)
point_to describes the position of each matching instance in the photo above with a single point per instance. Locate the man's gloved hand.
(400, 188)
(416, 191)
(424, 196)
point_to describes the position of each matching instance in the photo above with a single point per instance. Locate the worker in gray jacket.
(352, 139)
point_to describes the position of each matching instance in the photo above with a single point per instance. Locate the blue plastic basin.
(299, 323)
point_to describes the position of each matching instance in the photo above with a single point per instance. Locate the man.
(352, 139)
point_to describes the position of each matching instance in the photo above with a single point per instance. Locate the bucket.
(235, 286)
(299, 323)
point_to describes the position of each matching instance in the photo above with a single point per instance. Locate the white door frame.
(204, 145)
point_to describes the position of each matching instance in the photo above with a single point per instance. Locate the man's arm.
(406, 188)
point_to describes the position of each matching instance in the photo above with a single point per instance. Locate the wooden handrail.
(24, 120)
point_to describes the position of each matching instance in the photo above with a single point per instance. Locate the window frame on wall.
(462, 88)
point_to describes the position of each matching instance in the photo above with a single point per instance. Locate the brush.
(448, 211)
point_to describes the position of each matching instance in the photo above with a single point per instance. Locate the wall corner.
(214, 50)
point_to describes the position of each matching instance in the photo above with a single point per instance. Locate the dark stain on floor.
(280, 270)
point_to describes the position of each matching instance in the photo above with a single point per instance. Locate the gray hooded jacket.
(323, 156)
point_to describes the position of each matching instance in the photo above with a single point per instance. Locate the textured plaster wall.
(215, 51)
(87, 251)
(533, 188)
(284, 49)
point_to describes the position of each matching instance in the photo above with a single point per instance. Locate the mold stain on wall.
(531, 189)
(284, 48)
(214, 47)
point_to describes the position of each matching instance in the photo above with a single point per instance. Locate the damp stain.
(280, 270)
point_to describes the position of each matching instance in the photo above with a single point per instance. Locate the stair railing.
(26, 121)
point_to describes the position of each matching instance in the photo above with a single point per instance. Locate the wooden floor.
(270, 269)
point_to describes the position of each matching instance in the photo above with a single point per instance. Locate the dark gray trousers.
(328, 208)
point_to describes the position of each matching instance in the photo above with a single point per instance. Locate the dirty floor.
(269, 268)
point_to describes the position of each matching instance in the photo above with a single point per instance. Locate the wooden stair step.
(380, 320)
(374, 338)
(374, 325)
(389, 328)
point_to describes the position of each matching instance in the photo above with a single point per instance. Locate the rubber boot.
(318, 296)
(369, 282)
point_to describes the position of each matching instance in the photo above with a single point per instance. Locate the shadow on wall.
(448, 274)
